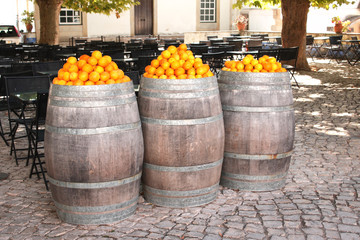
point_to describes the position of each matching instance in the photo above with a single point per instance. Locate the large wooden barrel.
(259, 129)
(94, 152)
(183, 130)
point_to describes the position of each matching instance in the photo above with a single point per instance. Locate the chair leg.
(2, 134)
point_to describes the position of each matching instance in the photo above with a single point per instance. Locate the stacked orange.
(177, 63)
(250, 64)
(90, 70)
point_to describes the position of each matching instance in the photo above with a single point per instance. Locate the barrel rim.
(92, 87)
(255, 74)
(187, 81)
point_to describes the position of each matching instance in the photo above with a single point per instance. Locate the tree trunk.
(293, 31)
(49, 21)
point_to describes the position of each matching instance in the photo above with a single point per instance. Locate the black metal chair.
(41, 68)
(19, 92)
(254, 44)
(199, 50)
(215, 60)
(37, 137)
(289, 56)
(143, 62)
(335, 50)
(135, 78)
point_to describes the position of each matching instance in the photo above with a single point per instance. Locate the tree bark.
(49, 21)
(293, 31)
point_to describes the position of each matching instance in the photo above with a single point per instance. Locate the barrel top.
(177, 81)
(102, 87)
(275, 77)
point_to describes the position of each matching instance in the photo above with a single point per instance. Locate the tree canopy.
(100, 6)
(313, 3)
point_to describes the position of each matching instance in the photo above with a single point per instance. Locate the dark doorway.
(144, 18)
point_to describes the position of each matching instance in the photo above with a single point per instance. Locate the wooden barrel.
(94, 152)
(259, 129)
(183, 132)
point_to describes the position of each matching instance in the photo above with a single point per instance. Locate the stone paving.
(320, 200)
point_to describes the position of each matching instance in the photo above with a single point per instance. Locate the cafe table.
(352, 49)
(319, 44)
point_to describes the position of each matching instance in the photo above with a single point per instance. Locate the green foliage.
(266, 3)
(100, 6)
(28, 17)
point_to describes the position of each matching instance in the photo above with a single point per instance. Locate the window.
(69, 16)
(207, 11)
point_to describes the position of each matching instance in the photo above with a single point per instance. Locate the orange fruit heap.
(250, 64)
(90, 70)
(177, 63)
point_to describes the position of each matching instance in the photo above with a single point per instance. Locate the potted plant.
(28, 19)
(339, 25)
(241, 22)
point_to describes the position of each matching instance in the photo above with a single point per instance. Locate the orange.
(201, 70)
(169, 72)
(73, 76)
(89, 83)
(239, 66)
(272, 60)
(152, 70)
(69, 83)
(184, 56)
(72, 60)
(261, 60)
(166, 54)
(207, 67)
(172, 77)
(99, 69)
(100, 82)
(78, 82)
(83, 76)
(66, 76)
(182, 76)
(165, 65)
(283, 69)
(254, 62)
(103, 62)
(182, 47)
(258, 67)
(159, 71)
(92, 61)
(62, 82)
(108, 58)
(109, 68)
(172, 49)
(96, 54)
(66, 66)
(179, 71)
(147, 68)
(114, 74)
(94, 76)
(248, 67)
(190, 76)
(104, 76)
(255, 70)
(73, 68)
(56, 81)
(162, 61)
(126, 79)
(114, 65)
(267, 66)
(171, 60)
(198, 64)
(191, 71)
(110, 81)
(87, 68)
(120, 73)
(246, 60)
(163, 77)
(81, 63)
(187, 65)
(61, 74)
(175, 65)
(155, 63)
(265, 57)
(198, 76)
(274, 66)
(250, 56)
(84, 57)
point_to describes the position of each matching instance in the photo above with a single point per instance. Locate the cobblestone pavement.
(320, 200)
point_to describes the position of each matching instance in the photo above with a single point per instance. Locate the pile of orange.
(177, 63)
(90, 70)
(250, 64)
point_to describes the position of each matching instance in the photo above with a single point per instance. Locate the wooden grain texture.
(94, 152)
(183, 132)
(259, 129)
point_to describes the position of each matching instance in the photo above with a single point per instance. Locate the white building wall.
(10, 14)
(261, 20)
(102, 25)
(176, 16)
(225, 15)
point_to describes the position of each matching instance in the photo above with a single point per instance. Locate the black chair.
(36, 135)
(176, 44)
(289, 55)
(270, 52)
(199, 50)
(143, 62)
(254, 44)
(238, 43)
(135, 78)
(49, 68)
(212, 36)
(335, 50)
(215, 60)
(21, 67)
(142, 52)
(19, 91)
(114, 53)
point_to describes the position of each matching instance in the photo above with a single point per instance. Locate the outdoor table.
(50, 73)
(353, 49)
(319, 46)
